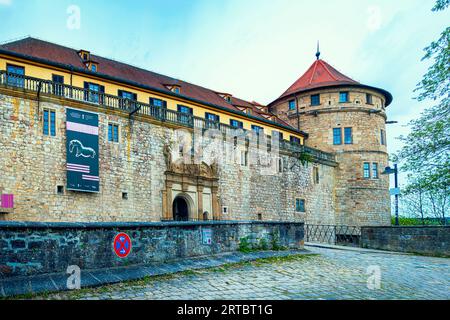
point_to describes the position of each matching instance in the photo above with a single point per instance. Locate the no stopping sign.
(122, 245)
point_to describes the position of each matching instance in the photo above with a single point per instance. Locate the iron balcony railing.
(131, 106)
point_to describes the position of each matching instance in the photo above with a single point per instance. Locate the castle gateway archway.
(181, 209)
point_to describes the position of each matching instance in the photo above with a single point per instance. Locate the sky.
(253, 49)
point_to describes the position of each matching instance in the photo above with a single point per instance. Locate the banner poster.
(82, 151)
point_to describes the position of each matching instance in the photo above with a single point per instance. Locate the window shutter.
(86, 93)
(101, 90)
(135, 96)
(164, 104)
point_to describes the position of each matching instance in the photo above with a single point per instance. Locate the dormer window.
(84, 55)
(225, 96)
(174, 88)
(94, 67)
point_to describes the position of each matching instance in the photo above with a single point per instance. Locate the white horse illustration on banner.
(81, 151)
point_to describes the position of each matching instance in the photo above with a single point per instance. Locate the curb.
(354, 249)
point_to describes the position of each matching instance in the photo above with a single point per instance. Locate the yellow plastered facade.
(76, 79)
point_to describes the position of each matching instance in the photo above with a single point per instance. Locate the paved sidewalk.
(94, 278)
(331, 274)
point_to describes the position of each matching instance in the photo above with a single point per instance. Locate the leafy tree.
(422, 200)
(426, 150)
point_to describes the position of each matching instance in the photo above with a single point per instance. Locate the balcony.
(51, 88)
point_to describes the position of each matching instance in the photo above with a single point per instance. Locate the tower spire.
(318, 51)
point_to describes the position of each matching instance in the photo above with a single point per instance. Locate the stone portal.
(190, 188)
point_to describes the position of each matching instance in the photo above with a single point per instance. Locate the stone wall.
(426, 240)
(248, 193)
(38, 248)
(34, 165)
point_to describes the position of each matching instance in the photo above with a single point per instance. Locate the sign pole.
(396, 194)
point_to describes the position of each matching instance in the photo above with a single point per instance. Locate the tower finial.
(318, 51)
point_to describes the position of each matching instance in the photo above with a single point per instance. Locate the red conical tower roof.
(320, 74)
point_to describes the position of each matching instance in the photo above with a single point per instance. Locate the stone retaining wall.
(29, 248)
(427, 240)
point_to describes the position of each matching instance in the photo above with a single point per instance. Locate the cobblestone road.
(332, 274)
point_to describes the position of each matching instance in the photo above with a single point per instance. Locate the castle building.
(85, 138)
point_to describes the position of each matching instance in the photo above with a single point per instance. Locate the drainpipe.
(71, 83)
(298, 115)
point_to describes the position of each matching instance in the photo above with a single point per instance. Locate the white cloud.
(5, 2)
(374, 19)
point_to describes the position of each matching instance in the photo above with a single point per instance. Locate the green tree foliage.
(426, 151)
(421, 200)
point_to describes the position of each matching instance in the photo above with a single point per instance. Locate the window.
(185, 114)
(316, 175)
(224, 210)
(212, 117)
(257, 129)
(158, 108)
(49, 122)
(369, 98)
(127, 99)
(127, 95)
(93, 92)
(366, 170)
(291, 104)
(382, 137)
(315, 100)
(300, 205)
(176, 90)
(295, 140)
(15, 75)
(375, 170)
(277, 134)
(343, 96)
(337, 136)
(93, 67)
(157, 102)
(244, 158)
(58, 84)
(125, 195)
(348, 137)
(60, 189)
(113, 132)
(236, 124)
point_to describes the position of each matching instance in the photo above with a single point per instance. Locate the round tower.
(347, 118)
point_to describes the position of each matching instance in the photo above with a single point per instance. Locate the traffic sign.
(122, 245)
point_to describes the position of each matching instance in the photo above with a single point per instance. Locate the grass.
(405, 221)
(245, 246)
(77, 294)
